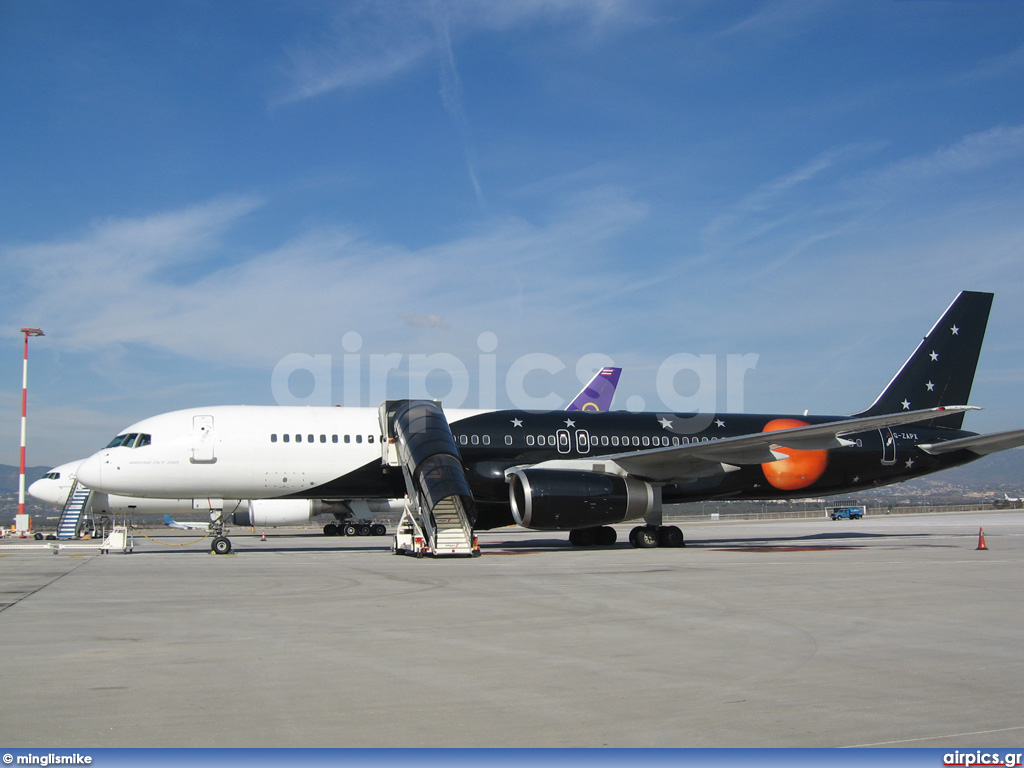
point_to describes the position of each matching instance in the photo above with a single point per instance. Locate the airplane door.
(582, 441)
(888, 447)
(202, 440)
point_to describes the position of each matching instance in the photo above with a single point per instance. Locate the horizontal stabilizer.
(982, 445)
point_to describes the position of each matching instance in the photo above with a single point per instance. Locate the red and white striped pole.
(23, 524)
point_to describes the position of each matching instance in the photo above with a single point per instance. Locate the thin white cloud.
(93, 295)
(370, 44)
(1003, 64)
(425, 321)
(778, 20)
(776, 203)
(128, 249)
(453, 98)
(975, 152)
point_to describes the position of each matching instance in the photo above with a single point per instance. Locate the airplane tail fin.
(598, 393)
(941, 370)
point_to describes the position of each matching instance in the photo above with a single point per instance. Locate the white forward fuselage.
(56, 485)
(248, 452)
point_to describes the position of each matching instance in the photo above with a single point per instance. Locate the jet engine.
(560, 500)
(271, 512)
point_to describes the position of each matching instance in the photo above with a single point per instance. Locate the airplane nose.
(90, 473)
(45, 490)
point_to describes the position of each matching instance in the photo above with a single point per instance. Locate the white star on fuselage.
(517, 422)
(570, 423)
(955, 330)
(665, 423)
(719, 423)
(934, 356)
(930, 386)
(905, 404)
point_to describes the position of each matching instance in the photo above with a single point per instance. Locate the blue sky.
(192, 193)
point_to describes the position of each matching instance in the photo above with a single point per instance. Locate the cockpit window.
(131, 440)
(52, 475)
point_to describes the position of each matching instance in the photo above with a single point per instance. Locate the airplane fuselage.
(270, 452)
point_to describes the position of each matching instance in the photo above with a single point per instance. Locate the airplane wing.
(982, 445)
(684, 463)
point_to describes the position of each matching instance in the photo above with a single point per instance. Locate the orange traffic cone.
(981, 539)
(264, 536)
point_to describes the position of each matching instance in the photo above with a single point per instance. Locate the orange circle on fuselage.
(798, 471)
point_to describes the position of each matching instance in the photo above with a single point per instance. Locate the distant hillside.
(1000, 471)
(9, 477)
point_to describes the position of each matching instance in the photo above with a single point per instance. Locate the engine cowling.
(271, 512)
(563, 500)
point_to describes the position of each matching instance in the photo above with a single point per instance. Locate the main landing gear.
(642, 537)
(355, 529)
(650, 536)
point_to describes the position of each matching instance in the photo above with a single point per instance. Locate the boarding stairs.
(74, 508)
(439, 509)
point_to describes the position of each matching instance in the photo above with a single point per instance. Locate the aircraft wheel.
(363, 530)
(583, 537)
(330, 529)
(349, 530)
(220, 545)
(379, 530)
(670, 536)
(606, 536)
(644, 537)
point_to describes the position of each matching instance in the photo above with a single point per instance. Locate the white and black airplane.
(579, 472)
(353, 516)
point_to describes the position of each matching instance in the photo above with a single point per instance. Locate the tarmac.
(887, 631)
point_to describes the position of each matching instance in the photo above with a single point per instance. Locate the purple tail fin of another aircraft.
(598, 393)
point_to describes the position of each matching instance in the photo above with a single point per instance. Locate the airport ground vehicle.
(846, 513)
